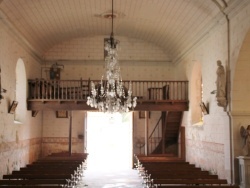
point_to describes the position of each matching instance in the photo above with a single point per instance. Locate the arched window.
(196, 94)
(21, 92)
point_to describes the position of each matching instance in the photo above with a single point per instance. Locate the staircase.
(171, 122)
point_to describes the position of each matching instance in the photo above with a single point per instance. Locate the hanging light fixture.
(110, 95)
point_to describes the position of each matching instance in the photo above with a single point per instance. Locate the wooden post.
(164, 117)
(146, 133)
(183, 143)
(70, 133)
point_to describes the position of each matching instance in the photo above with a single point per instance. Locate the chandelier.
(110, 95)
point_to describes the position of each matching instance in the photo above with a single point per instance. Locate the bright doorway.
(109, 140)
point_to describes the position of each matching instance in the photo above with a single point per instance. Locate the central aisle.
(111, 174)
(109, 148)
(111, 178)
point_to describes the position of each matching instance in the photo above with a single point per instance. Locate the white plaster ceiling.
(174, 25)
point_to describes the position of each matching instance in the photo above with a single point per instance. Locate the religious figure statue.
(221, 85)
(245, 134)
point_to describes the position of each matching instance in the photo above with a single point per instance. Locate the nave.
(79, 170)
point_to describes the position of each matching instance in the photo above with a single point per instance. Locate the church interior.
(158, 86)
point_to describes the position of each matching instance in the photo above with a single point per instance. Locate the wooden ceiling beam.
(81, 105)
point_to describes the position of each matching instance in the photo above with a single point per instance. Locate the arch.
(21, 92)
(241, 81)
(196, 93)
(240, 99)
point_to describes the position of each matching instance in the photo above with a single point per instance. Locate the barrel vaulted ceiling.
(174, 25)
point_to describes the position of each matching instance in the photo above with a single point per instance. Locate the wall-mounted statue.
(55, 71)
(221, 85)
(245, 134)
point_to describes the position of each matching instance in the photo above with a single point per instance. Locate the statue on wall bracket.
(245, 134)
(221, 85)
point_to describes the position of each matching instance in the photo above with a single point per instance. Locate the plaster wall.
(208, 137)
(84, 58)
(56, 132)
(218, 135)
(240, 110)
(19, 143)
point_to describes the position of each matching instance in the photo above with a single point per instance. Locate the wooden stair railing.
(155, 137)
(171, 122)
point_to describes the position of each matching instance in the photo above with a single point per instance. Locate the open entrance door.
(109, 140)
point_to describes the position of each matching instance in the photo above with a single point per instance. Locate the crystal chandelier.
(110, 95)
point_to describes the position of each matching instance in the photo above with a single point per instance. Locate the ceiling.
(173, 25)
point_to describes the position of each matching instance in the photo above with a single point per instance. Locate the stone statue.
(221, 85)
(245, 134)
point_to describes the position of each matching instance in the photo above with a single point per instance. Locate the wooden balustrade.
(40, 89)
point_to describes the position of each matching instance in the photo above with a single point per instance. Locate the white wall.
(210, 138)
(19, 143)
(84, 58)
(213, 146)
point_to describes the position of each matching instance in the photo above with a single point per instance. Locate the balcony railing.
(40, 89)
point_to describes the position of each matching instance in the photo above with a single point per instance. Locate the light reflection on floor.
(109, 146)
(112, 178)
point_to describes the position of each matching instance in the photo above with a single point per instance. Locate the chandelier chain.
(111, 95)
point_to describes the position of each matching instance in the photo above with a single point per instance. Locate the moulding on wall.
(77, 61)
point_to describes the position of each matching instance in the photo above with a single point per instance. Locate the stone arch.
(21, 91)
(241, 80)
(240, 100)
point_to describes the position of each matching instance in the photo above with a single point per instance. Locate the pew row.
(51, 171)
(164, 172)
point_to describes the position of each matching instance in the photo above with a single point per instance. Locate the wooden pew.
(46, 172)
(158, 159)
(71, 171)
(177, 172)
(31, 186)
(45, 168)
(52, 165)
(198, 186)
(167, 172)
(67, 154)
(37, 176)
(190, 181)
(184, 176)
(33, 182)
(169, 166)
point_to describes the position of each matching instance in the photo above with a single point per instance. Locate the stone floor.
(111, 178)
(110, 174)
